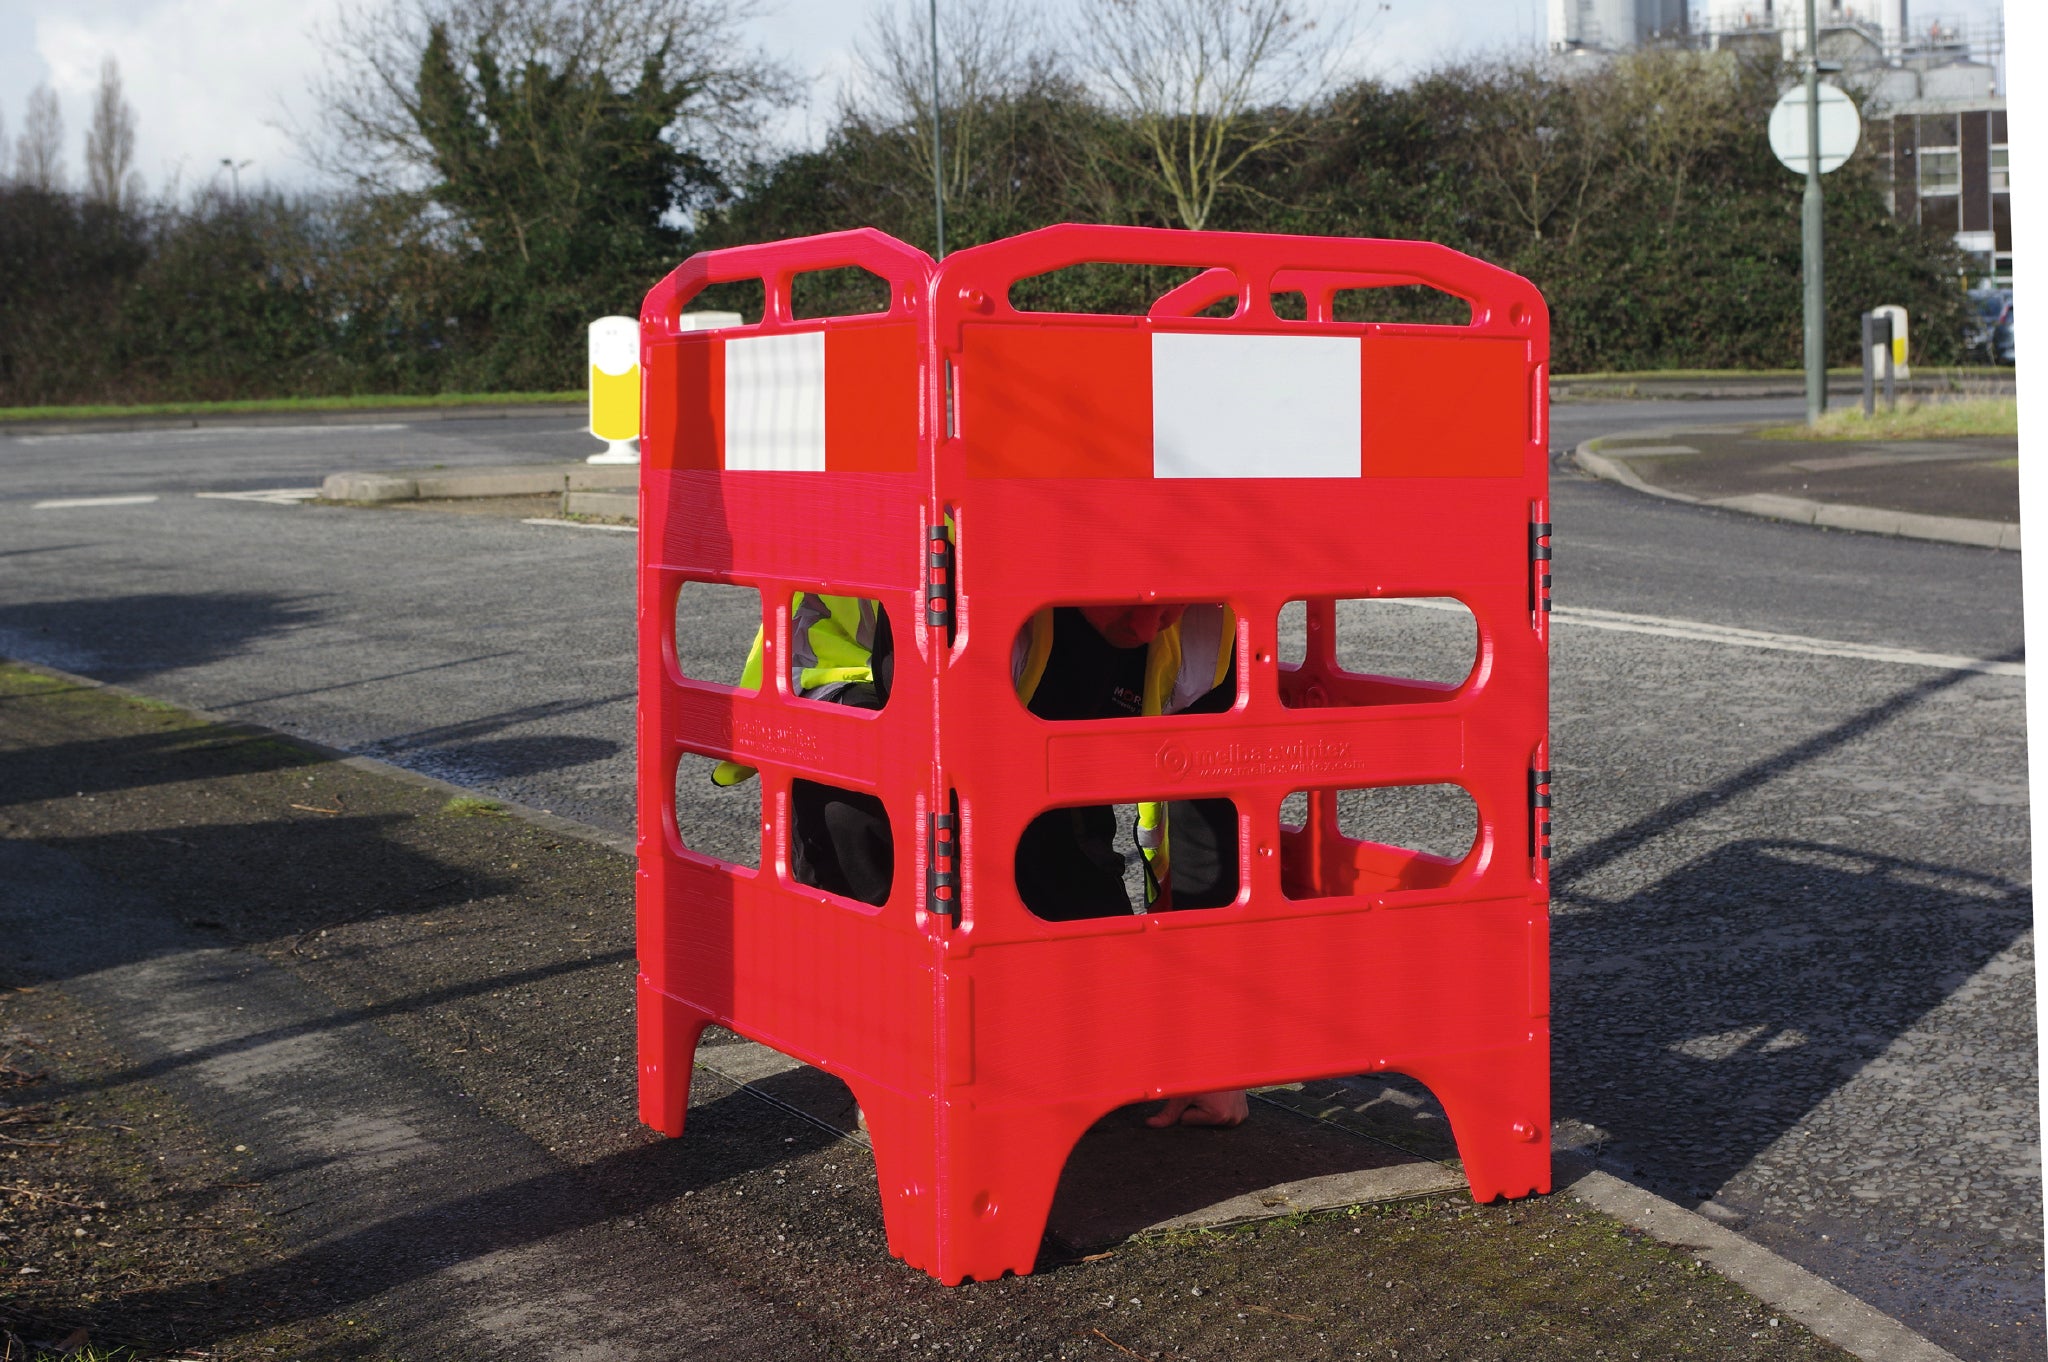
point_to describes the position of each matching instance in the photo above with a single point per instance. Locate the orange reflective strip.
(1449, 407)
(871, 399)
(1056, 401)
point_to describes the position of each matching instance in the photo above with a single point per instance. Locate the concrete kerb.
(1832, 1313)
(1984, 534)
(516, 480)
(1820, 1305)
(540, 818)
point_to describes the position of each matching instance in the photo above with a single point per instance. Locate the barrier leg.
(979, 1211)
(1003, 1167)
(902, 1130)
(669, 1031)
(1499, 1105)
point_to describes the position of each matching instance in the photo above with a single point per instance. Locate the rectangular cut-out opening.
(1378, 650)
(1111, 290)
(841, 650)
(715, 625)
(748, 297)
(846, 292)
(1377, 839)
(1091, 861)
(1405, 304)
(722, 821)
(1078, 663)
(841, 842)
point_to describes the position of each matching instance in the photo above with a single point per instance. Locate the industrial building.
(1930, 90)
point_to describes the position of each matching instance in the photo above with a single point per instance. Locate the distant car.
(1988, 335)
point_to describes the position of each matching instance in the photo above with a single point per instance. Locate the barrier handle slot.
(980, 277)
(776, 264)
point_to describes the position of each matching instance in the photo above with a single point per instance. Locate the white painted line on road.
(581, 525)
(1696, 631)
(274, 496)
(69, 503)
(1728, 635)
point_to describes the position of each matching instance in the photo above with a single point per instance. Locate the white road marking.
(275, 496)
(581, 525)
(1729, 636)
(68, 503)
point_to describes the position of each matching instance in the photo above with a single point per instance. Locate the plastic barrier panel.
(967, 465)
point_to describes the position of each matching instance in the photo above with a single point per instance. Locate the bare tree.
(370, 92)
(1207, 84)
(110, 142)
(39, 155)
(1552, 149)
(6, 153)
(1537, 159)
(992, 54)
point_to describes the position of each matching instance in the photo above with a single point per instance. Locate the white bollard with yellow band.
(615, 388)
(1897, 316)
(615, 380)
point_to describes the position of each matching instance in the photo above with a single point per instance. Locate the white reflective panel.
(775, 402)
(1255, 406)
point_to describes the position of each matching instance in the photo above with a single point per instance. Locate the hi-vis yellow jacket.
(832, 640)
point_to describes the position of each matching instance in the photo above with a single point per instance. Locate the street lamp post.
(1816, 300)
(938, 153)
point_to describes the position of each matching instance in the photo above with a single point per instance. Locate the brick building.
(1949, 170)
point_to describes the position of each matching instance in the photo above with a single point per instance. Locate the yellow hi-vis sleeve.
(731, 772)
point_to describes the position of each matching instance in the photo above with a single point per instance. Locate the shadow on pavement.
(156, 1069)
(512, 758)
(95, 766)
(355, 1266)
(126, 638)
(1701, 1018)
(1704, 1017)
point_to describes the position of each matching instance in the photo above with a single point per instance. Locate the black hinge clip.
(942, 869)
(1539, 562)
(938, 579)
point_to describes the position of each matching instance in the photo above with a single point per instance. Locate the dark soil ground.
(497, 953)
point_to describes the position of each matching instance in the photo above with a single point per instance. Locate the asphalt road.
(1793, 968)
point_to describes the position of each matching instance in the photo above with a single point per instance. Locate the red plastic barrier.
(1250, 459)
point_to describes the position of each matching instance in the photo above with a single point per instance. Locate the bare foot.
(1227, 1107)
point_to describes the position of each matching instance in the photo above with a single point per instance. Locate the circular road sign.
(1840, 128)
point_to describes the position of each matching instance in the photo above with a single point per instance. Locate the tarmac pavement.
(406, 1022)
(1884, 1134)
(1960, 491)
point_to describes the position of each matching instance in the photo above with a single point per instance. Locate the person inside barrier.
(1070, 663)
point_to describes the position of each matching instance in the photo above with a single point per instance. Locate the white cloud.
(209, 79)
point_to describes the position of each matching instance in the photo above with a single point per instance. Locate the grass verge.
(1913, 420)
(360, 402)
(470, 806)
(1957, 374)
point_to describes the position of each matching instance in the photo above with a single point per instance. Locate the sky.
(222, 80)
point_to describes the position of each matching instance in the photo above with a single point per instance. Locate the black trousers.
(1067, 865)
